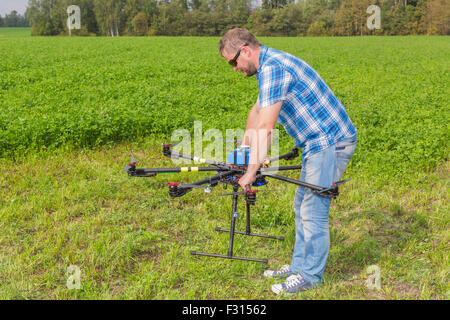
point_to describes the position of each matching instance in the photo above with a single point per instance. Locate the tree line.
(14, 19)
(266, 18)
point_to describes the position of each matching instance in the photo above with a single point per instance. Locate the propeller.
(191, 186)
(172, 144)
(207, 188)
(130, 165)
(331, 192)
(340, 182)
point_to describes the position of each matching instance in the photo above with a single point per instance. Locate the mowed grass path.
(75, 110)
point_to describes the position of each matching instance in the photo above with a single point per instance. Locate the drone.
(228, 173)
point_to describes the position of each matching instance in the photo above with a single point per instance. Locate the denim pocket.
(344, 152)
(345, 143)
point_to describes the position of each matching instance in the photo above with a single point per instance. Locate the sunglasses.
(233, 62)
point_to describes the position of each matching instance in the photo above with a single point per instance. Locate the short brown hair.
(233, 39)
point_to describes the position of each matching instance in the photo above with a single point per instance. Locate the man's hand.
(247, 180)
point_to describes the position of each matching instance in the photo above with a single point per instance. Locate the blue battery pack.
(239, 157)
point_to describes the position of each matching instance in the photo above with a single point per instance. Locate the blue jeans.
(312, 235)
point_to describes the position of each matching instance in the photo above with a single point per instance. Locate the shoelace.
(294, 281)
(284, 269)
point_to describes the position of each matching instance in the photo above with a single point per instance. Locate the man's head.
(241, 49)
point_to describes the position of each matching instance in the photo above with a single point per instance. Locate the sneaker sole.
(278, 289)
(271, 276)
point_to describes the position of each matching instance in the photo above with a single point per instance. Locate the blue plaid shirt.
(311, 114)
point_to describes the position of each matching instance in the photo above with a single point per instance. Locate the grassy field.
(15, 32)
(75, 109)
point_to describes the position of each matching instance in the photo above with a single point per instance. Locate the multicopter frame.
(228, 173)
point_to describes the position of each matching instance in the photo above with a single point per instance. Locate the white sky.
(6, 6)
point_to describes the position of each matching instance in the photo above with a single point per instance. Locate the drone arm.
(150, 172)
(280, 168)
(293, 181)
(288, 156)
(178, 190)
(177, 155)
(210, 180)
(170, 154)
(331, 192)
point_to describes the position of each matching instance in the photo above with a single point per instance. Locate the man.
(291, 92)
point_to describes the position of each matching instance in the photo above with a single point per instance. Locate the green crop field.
(74, 110)
(15, 32)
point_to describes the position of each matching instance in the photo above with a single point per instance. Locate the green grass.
(15, 32)
(75, 109)
(131, 240)
(61, 92)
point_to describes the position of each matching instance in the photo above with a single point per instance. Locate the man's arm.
(261, 140)
(252, 122)
(261, 136)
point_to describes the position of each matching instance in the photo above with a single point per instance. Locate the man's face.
(242, 62)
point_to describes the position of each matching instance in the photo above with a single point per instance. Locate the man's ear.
(248, 52)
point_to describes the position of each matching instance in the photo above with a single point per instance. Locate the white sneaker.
(284, 272)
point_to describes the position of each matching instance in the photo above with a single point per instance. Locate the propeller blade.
(173, 144)
(232, 193)
(341, 182)
(192, 186)
(207, 188)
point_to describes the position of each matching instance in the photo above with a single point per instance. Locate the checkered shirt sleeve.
(274, 84)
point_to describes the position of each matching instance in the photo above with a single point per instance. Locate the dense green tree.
(351, 18)
(14, 19)
(238, 13)
(259, 21)
(437, 17)
(214, 17)
(195, 4)
(11, 19)
(41, 21)
(273, 4)
(318, 28)
(140, 24)
(88, 18)
(285, 21)
(110, 16)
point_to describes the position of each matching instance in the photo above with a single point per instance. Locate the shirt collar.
(262, 58)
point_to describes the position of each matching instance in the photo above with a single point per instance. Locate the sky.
(6, 6)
